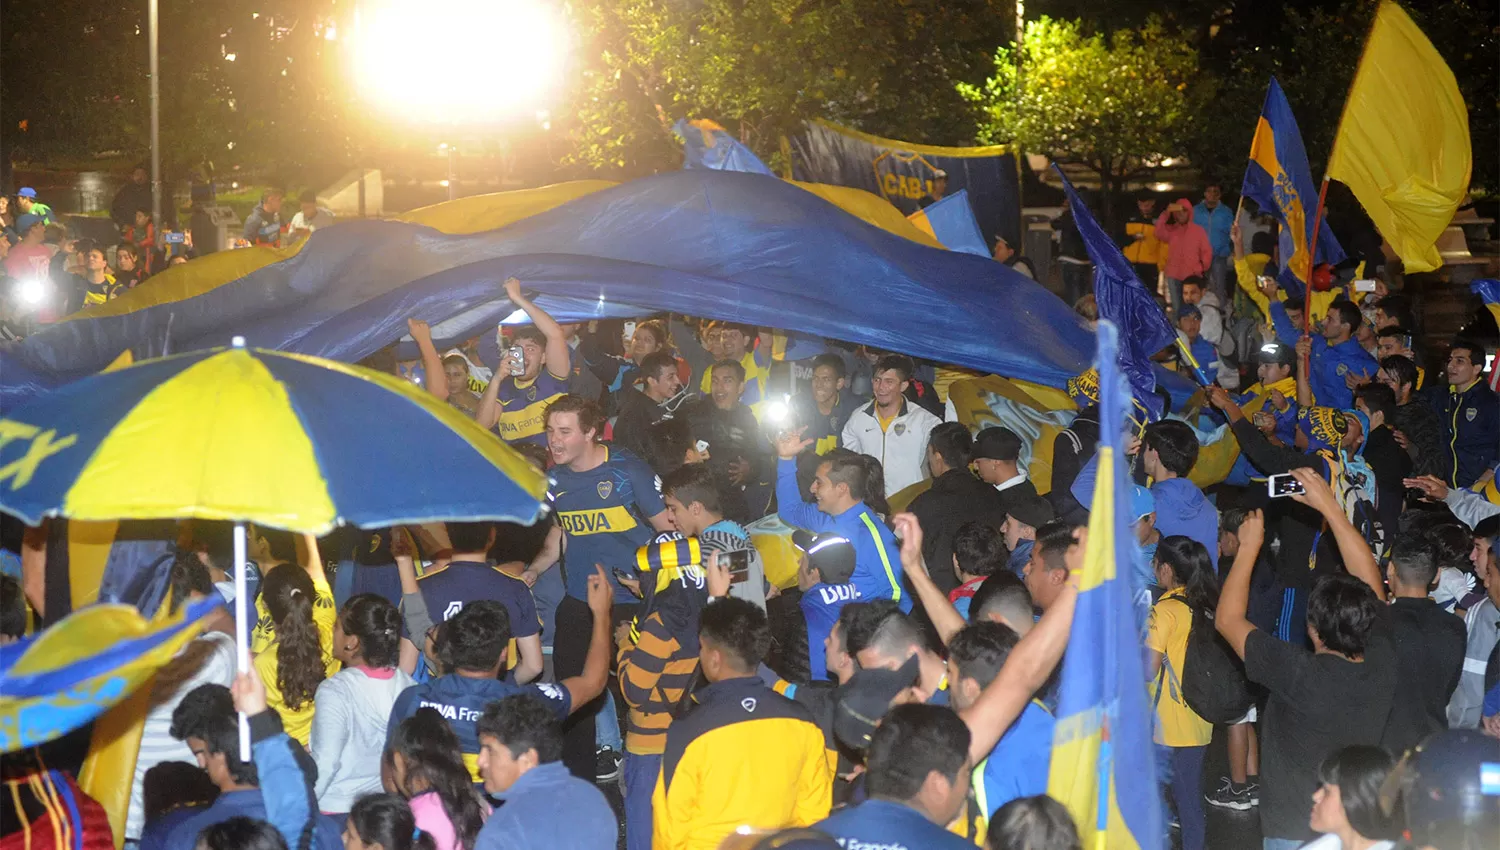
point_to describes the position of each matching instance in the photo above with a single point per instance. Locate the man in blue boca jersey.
(1336, 354)
(839, 491)
(608, 504)
(516, 399)
(474, 642)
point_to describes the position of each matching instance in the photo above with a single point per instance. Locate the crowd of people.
(1332, 605)
(47, 271)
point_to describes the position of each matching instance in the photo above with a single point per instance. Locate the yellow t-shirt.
(325, 613)
(1167, 633)
(297, 722)
(885, 421)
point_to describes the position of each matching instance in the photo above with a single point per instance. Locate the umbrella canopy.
(279, 439)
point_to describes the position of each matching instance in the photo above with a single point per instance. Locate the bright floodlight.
(32, 291)
(458, 61)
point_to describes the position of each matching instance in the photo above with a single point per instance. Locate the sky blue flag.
(717, 244)
(1280, 182)
(951, 222)
(707, 145)
(1103, 765)
(1124, 300)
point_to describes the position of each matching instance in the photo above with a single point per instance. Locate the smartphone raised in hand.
(1284, 484)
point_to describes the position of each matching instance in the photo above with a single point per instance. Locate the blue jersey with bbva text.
(461, 701)
(605, 516)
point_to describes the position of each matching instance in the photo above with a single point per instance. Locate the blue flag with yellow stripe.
(56, 681)
(1279, 180)
(707, 145)
(951, 221)
(1103, 761)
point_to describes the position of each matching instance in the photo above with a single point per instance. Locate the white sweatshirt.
(348, 734)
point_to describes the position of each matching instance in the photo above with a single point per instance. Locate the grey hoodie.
(349, 731)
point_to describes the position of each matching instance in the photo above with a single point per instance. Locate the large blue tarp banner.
(719, 244)
(903, 173)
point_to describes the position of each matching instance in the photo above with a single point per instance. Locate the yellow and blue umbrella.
(284, 440)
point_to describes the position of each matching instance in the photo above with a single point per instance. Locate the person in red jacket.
(1189, 252)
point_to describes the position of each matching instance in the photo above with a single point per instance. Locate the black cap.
(832, 555)
(1278, 352)
(1034, 511)
(866, 697)
(997, 444)
(1450, 788)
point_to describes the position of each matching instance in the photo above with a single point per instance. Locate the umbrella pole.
(241, 628)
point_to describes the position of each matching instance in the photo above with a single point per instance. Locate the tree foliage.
(762, 68)
(1112, 103)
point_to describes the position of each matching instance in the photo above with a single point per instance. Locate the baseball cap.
(938, 172)
(1034, 511)
(1142, 502)
(997, 444)
(26, 192)
(832, 555)
(865, 698)
(1189, 311)
(1280, 353)
(26, 222)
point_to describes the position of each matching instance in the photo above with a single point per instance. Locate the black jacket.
(956, 497)
(1070, 451)
(638, 412)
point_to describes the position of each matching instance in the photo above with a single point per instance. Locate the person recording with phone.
(693, 499)
(533, 374)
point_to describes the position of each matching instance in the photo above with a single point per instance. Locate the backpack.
(1213, 677)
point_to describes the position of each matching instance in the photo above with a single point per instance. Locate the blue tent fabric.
(707, 145)
(730, 246)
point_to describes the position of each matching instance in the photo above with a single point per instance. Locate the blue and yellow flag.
(707, 145)
(1279, 180)
(58, 680)
(1488, 289)
(1103, 762)
(1403, 143)
(1124, 301)
(951, 221)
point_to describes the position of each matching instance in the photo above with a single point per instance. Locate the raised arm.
(432, 364)
(413, 605)
(559, 355)
(488, 412)
(945, 618)
(1029, 664)
(583, 688)
(1358, 559)
(789, 504)
(1234, 598)
(1304, 364)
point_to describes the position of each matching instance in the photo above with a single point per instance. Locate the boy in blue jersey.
(1335, 352)
(472, 646)
(825, 565)
(608, 505)
(516, 400)
(469, 577)
(839, 491)
(1019, 763)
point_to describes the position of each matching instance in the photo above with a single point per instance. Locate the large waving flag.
(56, 681)
(1280, 182)
(1103, 762)
(1124, 301)
(707, 145)
(1403, 141)
(951, 222)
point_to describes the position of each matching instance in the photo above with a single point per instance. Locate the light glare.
(497, 57)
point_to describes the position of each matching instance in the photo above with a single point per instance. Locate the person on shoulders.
(891, 429)
(917, 777)
(544, 807)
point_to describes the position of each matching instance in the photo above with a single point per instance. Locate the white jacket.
(349, 732)
(901, 449)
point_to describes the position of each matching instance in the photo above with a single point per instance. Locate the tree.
(763, 68)
(1111, 104)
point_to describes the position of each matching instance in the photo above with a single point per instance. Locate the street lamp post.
(155, 115)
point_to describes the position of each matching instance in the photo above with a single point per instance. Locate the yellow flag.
(1403, 142)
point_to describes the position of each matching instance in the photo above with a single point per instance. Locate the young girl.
(384, 821)
(354, 706)
(1346, 806)
(423, 764)
(293, 665)
(1185, 572)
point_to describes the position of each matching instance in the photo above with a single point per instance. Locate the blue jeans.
(607, 726)
(640, 782)
(1181, 770)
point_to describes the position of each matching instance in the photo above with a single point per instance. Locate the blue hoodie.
(549, 807)
(1181, 508)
